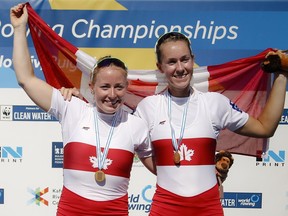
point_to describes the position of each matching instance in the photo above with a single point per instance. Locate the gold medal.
(176, 143)
(176, 157)
(99, 176)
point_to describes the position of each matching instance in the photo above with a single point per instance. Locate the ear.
(159, 67)
(90, 86)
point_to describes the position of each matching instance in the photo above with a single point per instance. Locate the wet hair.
(107, 61)
(170, 36)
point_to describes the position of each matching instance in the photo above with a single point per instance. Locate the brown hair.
(170, 36)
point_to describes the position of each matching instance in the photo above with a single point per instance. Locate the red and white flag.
(241, 80)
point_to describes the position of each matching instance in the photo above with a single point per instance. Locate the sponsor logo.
(235, 107)
(137, 161)
(242, 200)
(143, 200)
(38, 196)
(57, 154)
(271, 158)
(284, 117)
(24, 113)
(10, 154)
(45, 197)
(6, 113)
(1, 196)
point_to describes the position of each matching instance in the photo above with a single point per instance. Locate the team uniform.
(191, 187)
(81, 194)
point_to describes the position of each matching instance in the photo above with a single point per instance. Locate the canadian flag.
(241, 80)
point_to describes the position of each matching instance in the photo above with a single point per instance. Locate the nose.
(112, 93)
(179, 66)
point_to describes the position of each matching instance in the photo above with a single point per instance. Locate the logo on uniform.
(185, 153)
(235, 107)
(94, 162)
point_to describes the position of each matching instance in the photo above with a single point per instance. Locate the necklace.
(101, 158)
(175, 143)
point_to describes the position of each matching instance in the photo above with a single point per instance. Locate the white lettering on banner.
(83, 28)
(284, 119)
(246, 202)
(7, 62)
(59, 29)
(41, 116)
(228, 202)
(7, 30)
(22, 116)
(32, 116)
(32, 108)
(35, 62)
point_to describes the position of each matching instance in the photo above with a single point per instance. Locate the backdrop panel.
(31, 149)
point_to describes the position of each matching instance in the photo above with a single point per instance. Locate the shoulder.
(213, 98)
(135, 123)
(217, 103)
(148, 105)
(75, 104)
(150, 99)
(131, 118)
(211, 95)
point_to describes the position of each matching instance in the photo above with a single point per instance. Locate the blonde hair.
(107, 61)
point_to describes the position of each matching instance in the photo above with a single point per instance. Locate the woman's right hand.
(67, 93)
(19, 15)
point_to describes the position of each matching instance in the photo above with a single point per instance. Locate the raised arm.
(266, 124)
(38, 90)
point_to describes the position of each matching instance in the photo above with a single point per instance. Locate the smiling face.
(177, 65)
(109, 86)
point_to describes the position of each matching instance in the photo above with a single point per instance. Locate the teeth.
(180, 76)
(114, 102)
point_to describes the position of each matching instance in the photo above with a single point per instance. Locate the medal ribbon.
(100, 159)
(183, 123)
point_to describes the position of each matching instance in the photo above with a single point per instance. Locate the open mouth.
(180, 76)
(113, 103)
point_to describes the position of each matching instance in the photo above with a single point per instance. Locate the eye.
(120, 86)
(185, 59)
(172, 62)
(105, 87)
